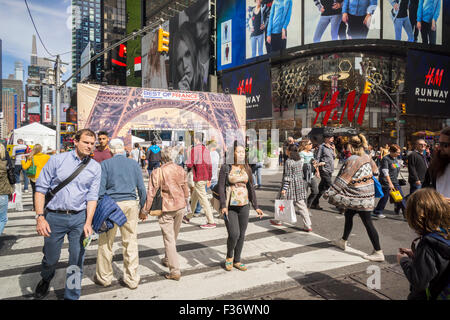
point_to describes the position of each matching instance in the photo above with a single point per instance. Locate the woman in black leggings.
(354, 190)
(236, 192)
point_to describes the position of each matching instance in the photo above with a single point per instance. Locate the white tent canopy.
(36, 133)
(136, 139)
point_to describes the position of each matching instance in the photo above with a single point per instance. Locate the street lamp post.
(396, 106)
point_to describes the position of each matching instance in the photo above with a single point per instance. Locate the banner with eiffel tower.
(117, 110)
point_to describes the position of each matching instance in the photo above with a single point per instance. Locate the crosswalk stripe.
(271, 253)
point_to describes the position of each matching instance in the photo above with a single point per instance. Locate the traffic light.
(367, 87)
(403, 108)
(163, 40)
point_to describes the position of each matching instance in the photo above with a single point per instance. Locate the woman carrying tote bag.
(294, 186)
(353, 189)
(171, 179)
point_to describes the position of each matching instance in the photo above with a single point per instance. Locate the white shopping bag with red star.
(285, 211)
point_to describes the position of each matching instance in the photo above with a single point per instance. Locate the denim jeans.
(257, 41)
(17, 171)
(324, 21)
(3, 211)
(414, 187)
(257, 174)
(152, 165)
(400, 23)
(383, 201)
(72, 226)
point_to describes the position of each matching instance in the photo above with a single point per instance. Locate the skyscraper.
(100, 23)
(87, 27)
(18, 71)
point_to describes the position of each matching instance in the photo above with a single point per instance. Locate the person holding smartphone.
(236, 192)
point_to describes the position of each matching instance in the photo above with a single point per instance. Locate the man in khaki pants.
(121, 177)
(200, 162)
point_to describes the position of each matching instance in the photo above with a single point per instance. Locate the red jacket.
(200, 161)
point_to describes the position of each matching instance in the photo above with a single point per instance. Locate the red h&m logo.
(245, 86)
(434, 78)
(349, 103)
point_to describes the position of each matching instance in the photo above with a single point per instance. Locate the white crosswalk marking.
(271, 253)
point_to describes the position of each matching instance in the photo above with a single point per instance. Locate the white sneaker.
(341, 243)
(377, 256)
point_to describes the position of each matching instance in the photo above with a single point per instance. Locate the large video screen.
(327, 20)
(34, 105)
(420, 21)
(270, 26)
(190, 48)
(413, 20)
(155, 66)
(253, 82)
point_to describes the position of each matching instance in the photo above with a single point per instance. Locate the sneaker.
(341, 243)
(185, 220)
(94, 236)
(208, 226)
(317, 207)
(276, 223)
(306, 229)
(378, 216)
(376, 256)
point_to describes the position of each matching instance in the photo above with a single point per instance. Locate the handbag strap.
(80, 168)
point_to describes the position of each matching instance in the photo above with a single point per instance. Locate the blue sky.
(53, 21)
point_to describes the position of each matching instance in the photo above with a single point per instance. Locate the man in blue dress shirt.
(70, 212)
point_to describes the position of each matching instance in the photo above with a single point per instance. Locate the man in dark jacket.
(153, 157)
(325, 157)
(417, 166)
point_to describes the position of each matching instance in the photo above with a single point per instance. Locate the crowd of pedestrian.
(68, 187)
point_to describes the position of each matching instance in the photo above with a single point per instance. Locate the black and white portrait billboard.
(190, 58)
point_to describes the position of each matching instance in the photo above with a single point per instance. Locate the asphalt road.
(348, 282)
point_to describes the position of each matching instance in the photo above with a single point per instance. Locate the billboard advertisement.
(118, 110)
(47, 114)
(33, 91)
(341, 20)
(254, 83)
(23, 112)
(34, 105)
(403, 18)
(34, 118)
(428, 84)
(270, 25)
(190, 43)
(63, 113)
(155, 65)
